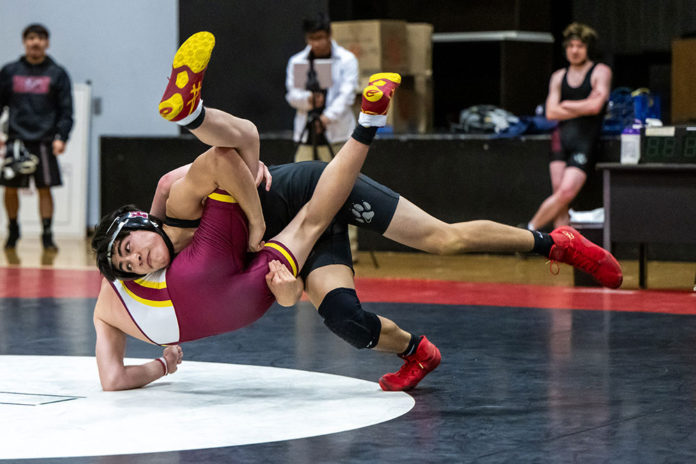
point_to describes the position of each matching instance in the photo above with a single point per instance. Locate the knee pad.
(344, 316)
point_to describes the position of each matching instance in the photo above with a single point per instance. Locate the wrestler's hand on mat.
(284, 286)
(264, 175)
(173, 354)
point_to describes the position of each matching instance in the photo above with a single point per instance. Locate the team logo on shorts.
(363, 212)
(580, 158)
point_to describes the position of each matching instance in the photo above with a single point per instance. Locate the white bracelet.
(164, 364)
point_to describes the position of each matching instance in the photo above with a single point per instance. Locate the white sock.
(190, 118)
(372, 120)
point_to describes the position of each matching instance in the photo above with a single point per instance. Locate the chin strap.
(167, 242)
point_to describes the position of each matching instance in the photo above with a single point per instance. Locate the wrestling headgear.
(130, 221)
(20, 162)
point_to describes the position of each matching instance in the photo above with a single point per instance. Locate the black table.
(649, 203)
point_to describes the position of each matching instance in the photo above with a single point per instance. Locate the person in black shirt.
(39, 96)
(577, 98)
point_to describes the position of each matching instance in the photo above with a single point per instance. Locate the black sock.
(364, 134)
(196, 123)
(13, 224)
(412, 345)
(542, 243)
(46, 222)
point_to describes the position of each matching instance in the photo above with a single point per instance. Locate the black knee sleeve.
(344, 316)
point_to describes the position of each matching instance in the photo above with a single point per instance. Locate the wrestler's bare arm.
(111, 350)
(159, 201)
(554, 110)
(218, 168)
(593, 104)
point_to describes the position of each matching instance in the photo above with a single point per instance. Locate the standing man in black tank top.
(577, 98)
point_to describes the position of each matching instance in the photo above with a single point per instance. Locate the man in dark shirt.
(39, 96)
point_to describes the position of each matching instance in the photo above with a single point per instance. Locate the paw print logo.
(363, 212)
(580, 158)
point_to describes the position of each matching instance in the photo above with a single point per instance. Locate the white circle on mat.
(53, 406)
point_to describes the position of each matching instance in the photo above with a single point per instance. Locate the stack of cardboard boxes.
(395, 46)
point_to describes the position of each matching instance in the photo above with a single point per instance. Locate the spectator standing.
(38, 93)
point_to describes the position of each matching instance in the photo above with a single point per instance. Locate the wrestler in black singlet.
(369, 206)
(579, 136)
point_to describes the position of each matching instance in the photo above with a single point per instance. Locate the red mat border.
(53, 283)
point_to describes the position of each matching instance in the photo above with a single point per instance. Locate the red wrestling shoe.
(572, 248)
(418, 365)
(183, 93)
(378, 93)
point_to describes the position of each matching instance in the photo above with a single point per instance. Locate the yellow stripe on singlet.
(287, 255)
(153, 303)
(222, 197)
(150, 284)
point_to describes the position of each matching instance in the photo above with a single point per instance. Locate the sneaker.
(378, 93)
(572, 248)
(418, 365)
(47, 241)
(12, 237)
(183, 93)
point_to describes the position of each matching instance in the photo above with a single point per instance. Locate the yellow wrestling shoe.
(376, 98)
(183, 94)
(378, 93)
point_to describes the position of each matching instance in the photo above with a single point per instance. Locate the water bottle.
(630, 143)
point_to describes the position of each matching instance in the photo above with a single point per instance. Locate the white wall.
(124, 48)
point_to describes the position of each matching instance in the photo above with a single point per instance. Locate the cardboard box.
(420, 48)
(412, 112)
(683, 82)
(379, 45)
(411, 109)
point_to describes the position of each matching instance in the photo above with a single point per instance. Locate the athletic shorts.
(370, 206)
(578, 145)
(47, 172)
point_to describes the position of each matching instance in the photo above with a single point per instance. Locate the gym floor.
(533, 370)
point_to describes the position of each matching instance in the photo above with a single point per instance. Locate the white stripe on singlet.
(155, 318)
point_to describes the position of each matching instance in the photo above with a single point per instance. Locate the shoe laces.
(574, 257)
(554, 268)
(411, 368)
(584, 262)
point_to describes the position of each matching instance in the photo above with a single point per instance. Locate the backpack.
(620, 111)
(484, 119)
(625, 106)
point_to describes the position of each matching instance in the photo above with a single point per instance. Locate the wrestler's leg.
(572, 181)
(182, 103)
(321, 281)
(332, 291)
(221, 129)
(332, 190)
(375, 207)
(556, 169)
(337, 180)
(415, 228)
